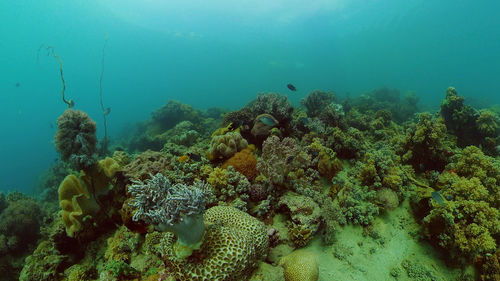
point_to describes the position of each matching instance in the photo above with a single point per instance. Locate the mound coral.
(225, 146)
(76, 139)
(300, 265)
(233, 244)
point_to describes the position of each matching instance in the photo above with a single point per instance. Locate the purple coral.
(160, 203)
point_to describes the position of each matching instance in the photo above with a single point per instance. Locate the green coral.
(357, 204)
(426, 146)
(468, 223)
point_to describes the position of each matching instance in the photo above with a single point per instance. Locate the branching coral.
(467, 225)
(75, 139)
(316, 101)
(427, 146)
(276, 158)
(274, 104)
(357, 204)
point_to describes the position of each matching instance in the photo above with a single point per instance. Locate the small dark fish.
(51, 125)
(267, 121)
(194, 156)
(18, 85)
(234, 125)
(106, 111)
(437, 197)
(291, 87)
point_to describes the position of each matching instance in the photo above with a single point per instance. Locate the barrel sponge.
(233, 243)
(300, 265)
(225, 146)
(76, 139)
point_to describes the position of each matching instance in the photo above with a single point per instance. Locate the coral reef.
(76, 139)
(220, 189)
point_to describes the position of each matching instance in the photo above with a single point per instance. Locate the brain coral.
(75, 138)
(300, 265)
(233, 243)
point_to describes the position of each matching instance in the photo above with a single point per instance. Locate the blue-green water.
(224, 53)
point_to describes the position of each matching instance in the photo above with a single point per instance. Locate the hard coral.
(427, 145)
(76, 139)
(274, 104)
(467, 224)
(300, 265)
(276, 158)
(148, 162)
(233, 244)
(316, 101)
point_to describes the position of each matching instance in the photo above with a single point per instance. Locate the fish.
(291, 87)
(437, 197)
(18, 85)
(267, 121)
(106, 111)
(194, 156)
